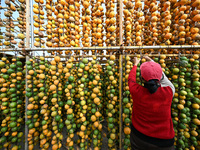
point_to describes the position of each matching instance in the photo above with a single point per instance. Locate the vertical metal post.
(32, 27)
(27, 46)
(27, 23)
(120, 99)
(26, 119)
(120, 22)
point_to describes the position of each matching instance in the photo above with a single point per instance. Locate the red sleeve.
(133, 86)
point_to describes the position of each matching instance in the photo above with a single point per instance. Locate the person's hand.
(136, 61)
(147, 58)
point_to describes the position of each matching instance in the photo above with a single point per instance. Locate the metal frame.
(27, 58)
(120, 98)
(120, 22)
(29, 4)
(101, 48)
(130, 55)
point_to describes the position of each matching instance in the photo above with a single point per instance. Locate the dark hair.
(152, 85)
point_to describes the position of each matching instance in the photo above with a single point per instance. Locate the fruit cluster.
(112, 104)
(12, 103)
(38, 23)
(126, 102)
(75, 102)
(75, 23)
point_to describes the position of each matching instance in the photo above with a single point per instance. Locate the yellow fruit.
(195, 56)
(57, 59)
(127, 130)
(52, 87)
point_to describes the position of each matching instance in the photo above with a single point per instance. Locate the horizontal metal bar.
(168, 55)
(75, 56)
(99, 56)
(101, 61)
(105, 48)
(162, 47)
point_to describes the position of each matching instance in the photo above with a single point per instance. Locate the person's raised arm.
(132, 76)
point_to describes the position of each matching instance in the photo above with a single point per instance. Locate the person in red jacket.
(152, 127)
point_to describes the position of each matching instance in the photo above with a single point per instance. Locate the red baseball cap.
(151, 70)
